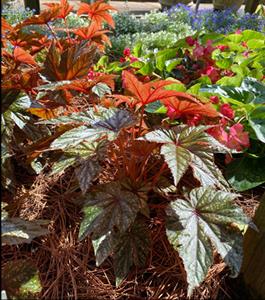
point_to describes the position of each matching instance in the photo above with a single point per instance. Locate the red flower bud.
(214, 99)
(127, 52)
(227, 111)
(222, 47)
(190, 41)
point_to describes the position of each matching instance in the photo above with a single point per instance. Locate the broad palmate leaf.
(203, 221)
(86, 173)
(128, 248)
(96, 150)
(17, 231)
(131, 249)
(109, 124)
(184, 147)
(106, 207)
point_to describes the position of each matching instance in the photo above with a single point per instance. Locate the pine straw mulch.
(67, 267)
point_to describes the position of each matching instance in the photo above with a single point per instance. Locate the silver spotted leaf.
(184, 147)
(17, 231)
(103, 246)
(203, 221)
(113, 121)
(96, 150)
(61, 164)
(101, 89)
(86, 172)
(131, 249)
(107, 207)
(105, 123)
(75, 136)
(88, 149)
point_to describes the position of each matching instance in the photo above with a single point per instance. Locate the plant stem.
(51, 30)
(67, 30)
(141, 120)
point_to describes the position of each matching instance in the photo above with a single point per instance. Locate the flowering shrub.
(224, 21)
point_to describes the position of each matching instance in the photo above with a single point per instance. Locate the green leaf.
(101, 89)
(147, 69)
(246, 173)
(132, 248)
(171, 64)
(184, 147)
(224, 63)
(86, 173)
(178, 86)
(163, 56)
(17, 231)
(106, 207)
(252, 34)
(256, 87)
(205, 219)
(255, 43)
(236, 93)
(231, 81)
(257, 122)
(21, 279)
(236, 38)
(137, 49)
(155, 108)
(62, 164)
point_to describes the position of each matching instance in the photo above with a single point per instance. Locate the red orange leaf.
(45, 16)
(23, 56)
(65, 8)
(5, 26)
(98, 12)
(73, 63)
(93, 32)
(185, 107)
(147, 92)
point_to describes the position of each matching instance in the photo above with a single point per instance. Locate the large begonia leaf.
(246, 173)
(96, 150)
(131, 249)
(109, 123)
(128, 248)
(98, 12)
(17, 231)
(73, 63)
(145, 93)
(106, 207)
(184, 147)
(257, 122)
(88, 149)
(74, 137)
(86, 173)
(202, 221)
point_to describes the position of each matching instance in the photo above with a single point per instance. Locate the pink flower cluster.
(127, 56)
(234, 137)
(203, 54)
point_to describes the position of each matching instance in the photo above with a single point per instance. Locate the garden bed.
(122, 166)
